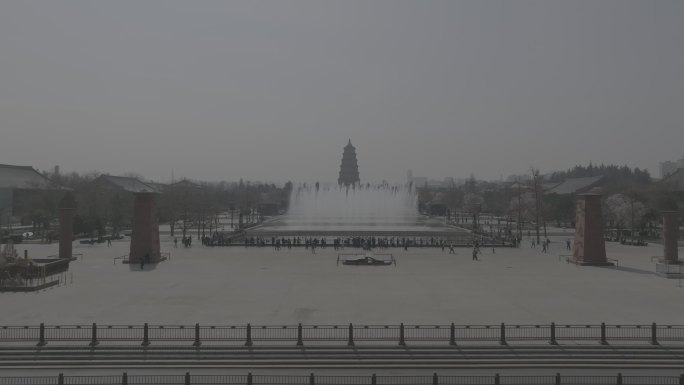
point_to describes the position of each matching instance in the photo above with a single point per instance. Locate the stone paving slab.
(237, 285)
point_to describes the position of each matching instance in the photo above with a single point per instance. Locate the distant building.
(112, 197)
(668, 167)
(519, 178)
(674, 181)
(419, 181)
(18, 184)
(437, 205)
(124, 183)
(349, 169)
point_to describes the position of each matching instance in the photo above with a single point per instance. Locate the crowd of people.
(337, 243)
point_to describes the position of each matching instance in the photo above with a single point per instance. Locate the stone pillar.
(670, 237)
(66, 231)
(590, 248)
(145, 234)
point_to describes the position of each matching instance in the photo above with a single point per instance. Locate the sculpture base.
(151, 261)
(583, 262)
(664, 261)
(670, 270)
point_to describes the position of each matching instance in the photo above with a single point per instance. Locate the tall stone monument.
(349, 169)
(590, 247)
(145, 232)
(66, 211)
(670, 238)
(66, 231)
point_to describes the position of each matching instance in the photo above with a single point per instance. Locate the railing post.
(502, 341)
(681, 379)
(435, 379)
(351, 335)
(249, 335)
(41, 340)
(402, 342)
(146, 335)
(497, 379)
(603, 334)
(197, 342)
(300, 340)
(60, 379)
(124, 378)
(452, 335)
(187, 378)
(558, 379)
(553, 334)
(619, 379)
(93, 339)
(312, 379)
(374, 379)
(654, 334)
(250, 381)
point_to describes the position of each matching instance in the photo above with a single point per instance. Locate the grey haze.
(222, 90)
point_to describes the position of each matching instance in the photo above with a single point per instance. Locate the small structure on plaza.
(669, 265)
(22, 274)
(66, 212)
(670, 238)
(145, 247)
(366, 259)
(590, 247)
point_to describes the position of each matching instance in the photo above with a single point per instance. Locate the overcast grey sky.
(273, 90)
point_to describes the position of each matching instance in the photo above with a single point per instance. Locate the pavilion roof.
(25, 177)
(125, 183)
(575, 185)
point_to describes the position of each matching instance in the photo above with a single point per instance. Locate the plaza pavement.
(237, 285)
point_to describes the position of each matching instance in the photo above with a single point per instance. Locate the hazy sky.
(273, 90)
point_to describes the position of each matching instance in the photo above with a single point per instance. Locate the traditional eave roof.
(127, 183)
(25, 177)
(575, 185)
(184, 183)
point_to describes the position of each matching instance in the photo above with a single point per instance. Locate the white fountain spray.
(360, 205)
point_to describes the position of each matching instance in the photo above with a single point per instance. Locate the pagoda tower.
(349, 170)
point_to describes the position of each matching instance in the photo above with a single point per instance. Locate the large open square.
(238, 285)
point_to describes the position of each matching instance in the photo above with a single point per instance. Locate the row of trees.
(632, 201)
(199, 205)
(192, 205)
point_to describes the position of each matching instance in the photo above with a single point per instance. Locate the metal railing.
(312, 379)
(350, 334)
(31, 284)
